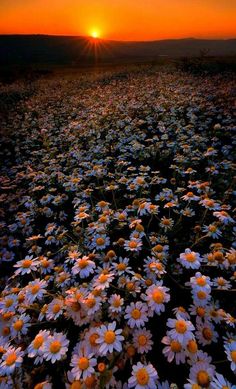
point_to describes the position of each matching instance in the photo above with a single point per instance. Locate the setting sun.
(95, 34)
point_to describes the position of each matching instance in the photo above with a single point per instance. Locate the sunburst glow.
(95, 34)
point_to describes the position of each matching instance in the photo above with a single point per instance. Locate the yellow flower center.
(55, 346)
(233, 355)
(201, 281)
(207, 333)
(90, 302)
(103, 278)
(90, 382)
(8, 303)
(116, 303)
(175, 346)
(75, 306)
(133, 244)
(92, 339)
(121, 266)
(56, 308)
(45, 263)
(158, 296)
(136, 314)
(5, 331)
(26, 263)
(83, 263)
(142, 377)
(203, 378)
(11, 359)
(18, 325)
(76, 385)
(200, 311)
(212, 228)
(39, 386)
(218, 256)
(201, 294)
(35, 289)
(190, 257)
(109, 337)
(210, 203)
(130, 286)
(83, 363)
(38, 341)
(102, 204)
(166, 222)
(100, 241)
(181, 326)
(192, 346)
(142, 340)
(221, 282)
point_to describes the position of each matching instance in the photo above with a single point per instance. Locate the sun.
(95, 34)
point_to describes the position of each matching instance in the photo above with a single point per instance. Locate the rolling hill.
(37, 49)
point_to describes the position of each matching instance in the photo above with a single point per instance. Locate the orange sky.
(121, 19)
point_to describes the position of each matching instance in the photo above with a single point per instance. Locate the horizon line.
(116, 40)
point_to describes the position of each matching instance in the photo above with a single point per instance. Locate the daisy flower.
(92, 304)
(133, 245)
(26, 265)
(54, 309)
(143, 377)
(100, 242)
(8, 303)
(191, 349)
(154, 267)
(35, 349)
(109, 338)
(90, 340)
(84, 266)
(224, 217)
(166, 223)
(190, 259)
(55, 347)
(156, 296)
(212, 230)
(35, 290)
(181, 330)
(173, 350)
(205, 332)
(200, 282)
(181, 311)
(83, 364)
(230, 350)
(136, 314)
(142, 340)
(11, 359)
(122, 266)
(210, 204)
(202, 374)
(190, 196)
(201, 297)
(20, 325)
(222, 283)
(115, 303)
(103, 280)
(219, 382)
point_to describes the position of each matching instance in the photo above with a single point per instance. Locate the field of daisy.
(117, 240)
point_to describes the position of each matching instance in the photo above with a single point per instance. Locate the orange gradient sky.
(121, 19)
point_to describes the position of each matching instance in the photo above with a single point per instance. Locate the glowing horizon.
(121, 19)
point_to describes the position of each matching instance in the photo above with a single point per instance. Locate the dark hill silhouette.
(30, 49)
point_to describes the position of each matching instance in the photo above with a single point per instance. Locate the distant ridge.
(36, 49)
